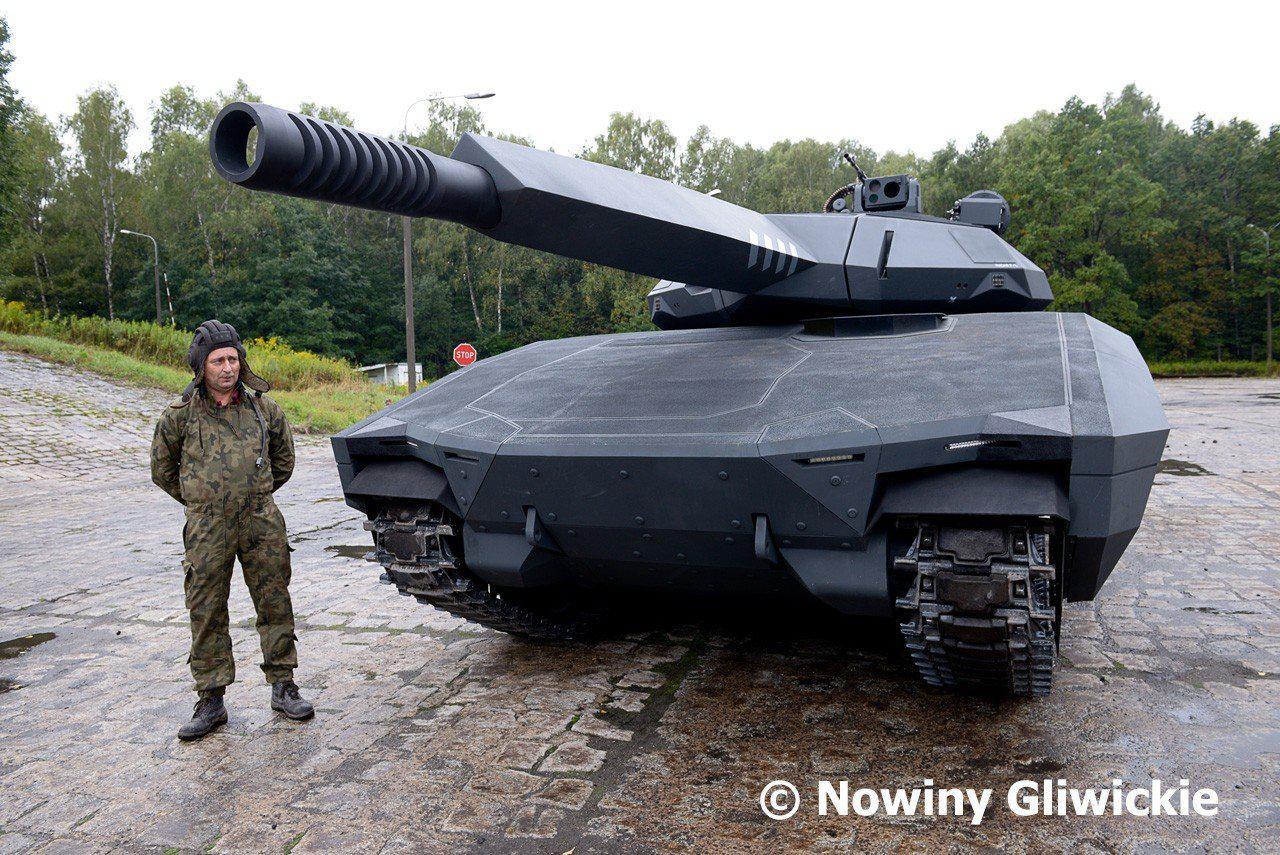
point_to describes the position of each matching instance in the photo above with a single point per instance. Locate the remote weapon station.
(861, 405)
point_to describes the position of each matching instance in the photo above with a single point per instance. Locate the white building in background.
(390, 373)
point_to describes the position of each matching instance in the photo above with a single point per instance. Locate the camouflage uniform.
(207, 457)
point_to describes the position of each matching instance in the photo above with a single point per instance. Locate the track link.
(420, 552)
(980, 607)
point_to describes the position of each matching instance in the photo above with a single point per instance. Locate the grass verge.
(1213, 368)
(163, 345)
(324, 408)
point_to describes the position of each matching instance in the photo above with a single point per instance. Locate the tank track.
(981, 607)
(420, 552)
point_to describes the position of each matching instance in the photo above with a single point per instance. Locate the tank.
(865, 406)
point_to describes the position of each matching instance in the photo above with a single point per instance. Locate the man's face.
(222, 369)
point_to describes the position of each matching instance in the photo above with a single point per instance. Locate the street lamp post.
(1266, 237)
(156, 247)
(407, 223)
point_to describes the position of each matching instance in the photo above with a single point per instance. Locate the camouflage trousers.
(215, 535)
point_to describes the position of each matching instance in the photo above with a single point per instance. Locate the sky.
(901, 76)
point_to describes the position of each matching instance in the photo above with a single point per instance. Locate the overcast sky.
(906, 75)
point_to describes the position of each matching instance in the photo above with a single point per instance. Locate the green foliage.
(1137, 221)
(99, 182)
(641, 145)
(10, 109)
(1213, 368)
(282, 366)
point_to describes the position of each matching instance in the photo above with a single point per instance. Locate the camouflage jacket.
(203, 453)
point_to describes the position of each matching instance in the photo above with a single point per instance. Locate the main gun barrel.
(565, 205)
(308, 157)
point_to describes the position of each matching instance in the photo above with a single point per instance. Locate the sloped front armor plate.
(696, 433)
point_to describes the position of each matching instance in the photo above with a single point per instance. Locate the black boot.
(286, 699)
(210, 713)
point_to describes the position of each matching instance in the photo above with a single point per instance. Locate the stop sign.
(464, 354)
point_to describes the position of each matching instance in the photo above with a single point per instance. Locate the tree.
(1267, 282)
(640, 145)
(951, 174)
(38, 167)
(1084, 209)
(10, 114)
(1136, 220)
(101, 126)
(180, 194)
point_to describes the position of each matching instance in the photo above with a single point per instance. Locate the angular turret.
(871, 252)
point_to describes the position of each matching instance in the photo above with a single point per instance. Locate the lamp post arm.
(155, 248)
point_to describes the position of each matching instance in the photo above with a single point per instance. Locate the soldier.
(222, 449)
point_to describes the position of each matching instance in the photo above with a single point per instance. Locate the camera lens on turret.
(886, 193)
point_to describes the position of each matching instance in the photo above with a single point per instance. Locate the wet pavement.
(433, 735)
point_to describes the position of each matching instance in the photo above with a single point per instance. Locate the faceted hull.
(773, 459)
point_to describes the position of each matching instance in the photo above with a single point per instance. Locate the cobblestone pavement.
(436, 736)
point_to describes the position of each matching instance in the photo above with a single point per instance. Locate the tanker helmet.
(210, 336)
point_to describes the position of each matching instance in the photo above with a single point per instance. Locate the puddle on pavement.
(14, 648)
(350, 551)
(1039, 765)
(1173, 466)
(1210, 610)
